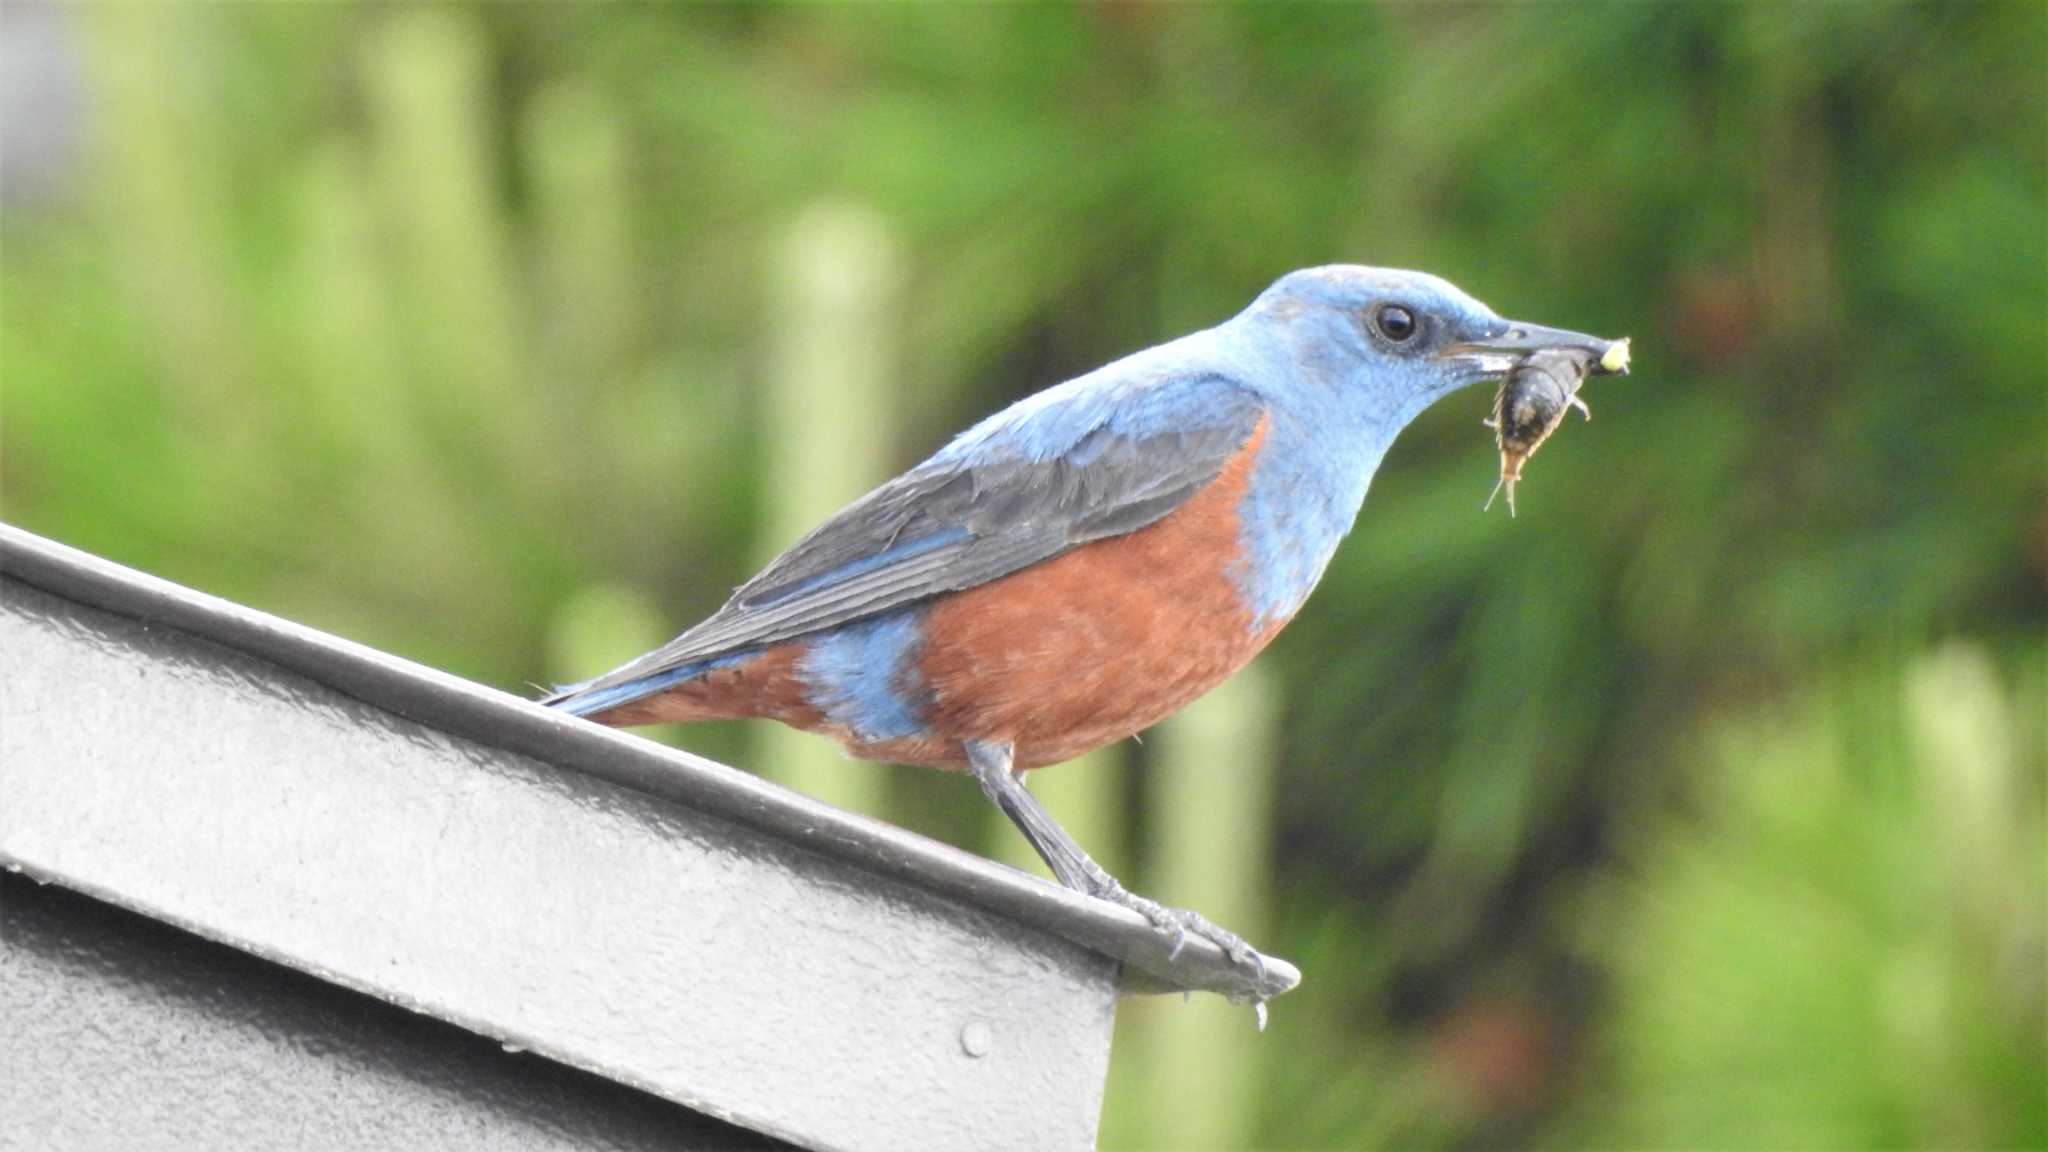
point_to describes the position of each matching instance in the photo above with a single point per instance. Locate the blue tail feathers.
(585, 700)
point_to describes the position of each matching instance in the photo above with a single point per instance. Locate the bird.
(1082, 564)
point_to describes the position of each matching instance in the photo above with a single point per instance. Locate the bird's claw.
(1180, 923)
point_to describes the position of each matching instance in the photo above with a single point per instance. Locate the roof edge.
(488, 716)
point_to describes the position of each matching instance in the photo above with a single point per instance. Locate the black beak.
(1516, 340)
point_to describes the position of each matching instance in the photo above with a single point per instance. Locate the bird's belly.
(1093, 645)
(1079, 656)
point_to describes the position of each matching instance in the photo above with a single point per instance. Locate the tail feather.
(594, 696)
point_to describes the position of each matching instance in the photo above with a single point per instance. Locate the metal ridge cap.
(488, 716)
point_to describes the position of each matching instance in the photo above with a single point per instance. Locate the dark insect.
(1529, 406)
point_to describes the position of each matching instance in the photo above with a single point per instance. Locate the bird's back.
(823, 638)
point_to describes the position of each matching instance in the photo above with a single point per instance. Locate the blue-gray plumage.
(1077, 566)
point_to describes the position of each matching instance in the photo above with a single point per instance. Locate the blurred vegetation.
(1702, 805)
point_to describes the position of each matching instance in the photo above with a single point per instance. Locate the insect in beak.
(1532, 400)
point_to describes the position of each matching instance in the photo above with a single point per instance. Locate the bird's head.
(1393, 342)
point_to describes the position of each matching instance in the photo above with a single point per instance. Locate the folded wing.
(958, 521)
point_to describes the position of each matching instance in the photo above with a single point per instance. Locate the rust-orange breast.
(1096, 644)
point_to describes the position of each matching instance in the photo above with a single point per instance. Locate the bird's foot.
(1181, 923)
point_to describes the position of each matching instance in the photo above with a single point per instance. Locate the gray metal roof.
(128, 1035)
(656, 918)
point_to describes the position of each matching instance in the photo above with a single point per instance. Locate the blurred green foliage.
(1699, 806)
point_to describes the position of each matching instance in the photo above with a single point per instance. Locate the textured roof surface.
(597, 899)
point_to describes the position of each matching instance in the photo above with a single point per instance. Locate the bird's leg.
(991, 766)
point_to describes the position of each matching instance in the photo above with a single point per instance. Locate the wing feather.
(954, 523)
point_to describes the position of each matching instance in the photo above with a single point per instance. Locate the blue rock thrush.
(1080, 565)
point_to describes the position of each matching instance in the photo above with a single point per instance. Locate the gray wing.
(951, 524)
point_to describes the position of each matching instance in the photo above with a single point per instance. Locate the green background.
(1699, 806)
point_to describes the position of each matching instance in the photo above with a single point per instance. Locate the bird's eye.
(1394, 322)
